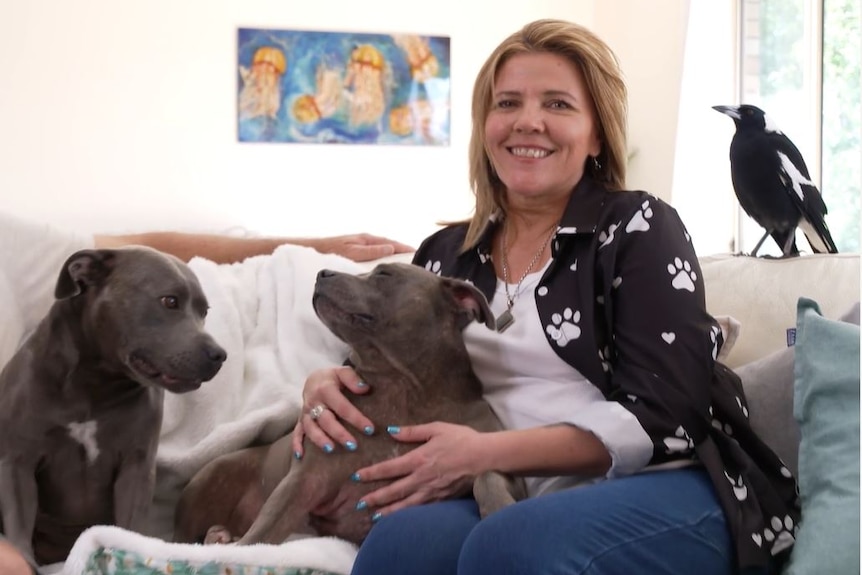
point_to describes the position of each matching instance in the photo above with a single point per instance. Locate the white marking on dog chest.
(85, 434)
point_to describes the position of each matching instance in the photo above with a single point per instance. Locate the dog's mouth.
(332, 311)
(150, 372)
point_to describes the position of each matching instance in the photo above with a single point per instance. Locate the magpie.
(772, 184)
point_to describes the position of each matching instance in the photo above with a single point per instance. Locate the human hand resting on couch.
(229, 249)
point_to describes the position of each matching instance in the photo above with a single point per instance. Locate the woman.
(633, 440)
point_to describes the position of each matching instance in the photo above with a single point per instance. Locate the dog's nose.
(215, 354)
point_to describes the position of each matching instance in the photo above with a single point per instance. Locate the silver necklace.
(505, 319)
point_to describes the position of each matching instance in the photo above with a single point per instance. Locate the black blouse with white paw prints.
(625, 273)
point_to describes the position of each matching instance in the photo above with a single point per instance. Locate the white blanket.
(260, 312)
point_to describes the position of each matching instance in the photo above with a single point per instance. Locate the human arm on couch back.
(223, 248)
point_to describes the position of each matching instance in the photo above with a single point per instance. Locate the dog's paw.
(218, 534)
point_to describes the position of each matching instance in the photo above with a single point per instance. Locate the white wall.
(118, 116)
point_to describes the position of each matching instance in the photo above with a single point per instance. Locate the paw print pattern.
(605, 358)
(433, 266)
(739, 488)
(725, 427)
(679, 443)
(640, 221)
(713, 337)
(742, 407)
(779, 532)
(564, 327)
(606, 238)
(683, 276)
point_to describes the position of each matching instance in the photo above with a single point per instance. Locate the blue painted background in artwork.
(320, 87)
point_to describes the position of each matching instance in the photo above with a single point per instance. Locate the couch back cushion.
(762, 294)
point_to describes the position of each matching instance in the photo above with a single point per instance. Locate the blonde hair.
(604, 82)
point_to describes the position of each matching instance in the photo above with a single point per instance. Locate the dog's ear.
(471, 303)
(83, 269)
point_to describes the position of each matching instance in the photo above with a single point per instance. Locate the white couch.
(760, 294)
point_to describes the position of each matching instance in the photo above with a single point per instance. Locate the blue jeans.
(663, 522)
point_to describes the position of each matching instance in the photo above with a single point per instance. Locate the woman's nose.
(529, 119)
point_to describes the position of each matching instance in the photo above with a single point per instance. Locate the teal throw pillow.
(826, 407)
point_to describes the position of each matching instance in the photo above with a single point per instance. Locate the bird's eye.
(170, 301)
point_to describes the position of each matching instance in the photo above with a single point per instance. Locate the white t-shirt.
(528, 385)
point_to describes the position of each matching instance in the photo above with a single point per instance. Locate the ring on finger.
(316, 412)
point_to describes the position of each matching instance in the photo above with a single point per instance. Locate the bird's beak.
(732, 111)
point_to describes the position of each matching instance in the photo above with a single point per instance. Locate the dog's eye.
(170, 301)
(383, 273)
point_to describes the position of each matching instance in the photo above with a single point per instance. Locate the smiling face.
(541, 127)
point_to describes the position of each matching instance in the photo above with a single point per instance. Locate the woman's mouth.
(534, 153)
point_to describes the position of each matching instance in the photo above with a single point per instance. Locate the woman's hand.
(443, 467)
(359, 247)
(324, 407)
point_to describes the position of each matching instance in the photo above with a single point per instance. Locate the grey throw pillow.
(768, 385)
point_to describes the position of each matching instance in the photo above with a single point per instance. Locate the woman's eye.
(559, 105)
(506, 104)
(170, 302)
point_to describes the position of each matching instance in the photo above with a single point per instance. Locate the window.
(798, 60)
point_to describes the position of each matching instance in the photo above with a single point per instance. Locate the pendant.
(504, 320)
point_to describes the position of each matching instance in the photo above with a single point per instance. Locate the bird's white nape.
(797, 179)
(769, 125)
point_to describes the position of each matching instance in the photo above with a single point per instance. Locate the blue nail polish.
(361, 505)
(361, 384)
(355, 478)
(351, 446)
(368, 430)
(297, 455)
(376, 517)
(393, 429)
(328, 448)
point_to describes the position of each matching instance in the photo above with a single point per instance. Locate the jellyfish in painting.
(423, 63)
(261, 93)
(365, 82)
(413, 118)
(326, 100)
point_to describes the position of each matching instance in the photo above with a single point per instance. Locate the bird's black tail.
(818, 236)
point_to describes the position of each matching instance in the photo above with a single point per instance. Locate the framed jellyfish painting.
(347, 88)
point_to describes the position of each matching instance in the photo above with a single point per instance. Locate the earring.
(597, 165)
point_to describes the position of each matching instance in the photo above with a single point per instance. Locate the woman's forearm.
(543, 451)
(218, 248)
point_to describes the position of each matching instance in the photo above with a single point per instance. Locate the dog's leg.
(283, 514)
(133, 493)
(226, 494)
(18, 496)
(493, 491)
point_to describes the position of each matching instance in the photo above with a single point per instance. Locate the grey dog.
(81, 400)
(404, 326)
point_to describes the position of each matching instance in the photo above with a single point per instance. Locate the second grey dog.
(81, 400)
(404, 326)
